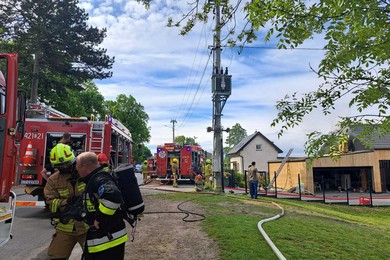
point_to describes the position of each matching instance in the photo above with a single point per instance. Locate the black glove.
(73, 200)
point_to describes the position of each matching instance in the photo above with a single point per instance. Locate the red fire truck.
(12, 108)
(190, 158)
(45, 127)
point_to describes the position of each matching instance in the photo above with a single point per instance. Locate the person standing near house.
(247, 176)
(262, 180)
(253, 180)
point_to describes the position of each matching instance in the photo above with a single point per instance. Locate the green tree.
(86, 102)
(185, 140)
(236, 134)
(57, 48)
(355, 66)
(141, 153)
(132, 115)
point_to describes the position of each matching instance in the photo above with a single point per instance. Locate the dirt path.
(167, 236)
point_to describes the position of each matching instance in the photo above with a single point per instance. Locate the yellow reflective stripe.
(65, 227)
(104, 243)
(81, 186)
(110, 204)
(106, 210)
(54, 205)
(90, 206)
(63, 192)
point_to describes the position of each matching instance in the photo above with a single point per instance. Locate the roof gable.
(378, 142)
(246, 140)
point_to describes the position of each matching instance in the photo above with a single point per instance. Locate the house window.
(258, 147)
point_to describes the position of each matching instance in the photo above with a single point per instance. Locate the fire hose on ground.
(266, 237)
(259, 225)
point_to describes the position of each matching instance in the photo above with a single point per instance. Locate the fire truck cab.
(45, 129)
(190, 158)
(12, 109)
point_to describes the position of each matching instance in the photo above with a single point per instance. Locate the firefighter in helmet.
(103, 162)
(208, 173)
(63, 192)
(175, 171)
(107, 235)
(48, 169)
(144, 169)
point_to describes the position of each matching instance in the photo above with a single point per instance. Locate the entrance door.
(384, 166)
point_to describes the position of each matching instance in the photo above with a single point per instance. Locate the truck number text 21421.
(33, 136)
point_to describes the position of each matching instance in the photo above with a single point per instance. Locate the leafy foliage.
(236, 134)
(355, 66)
(89, 101)
(185, 140)
(132, 115)
(141, 153)
(65, 48)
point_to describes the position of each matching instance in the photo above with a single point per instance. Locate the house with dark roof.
(253, 148)
(358, 169)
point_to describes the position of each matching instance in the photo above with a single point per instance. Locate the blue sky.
(170, 75)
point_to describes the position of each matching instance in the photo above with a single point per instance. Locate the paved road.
(32, 231)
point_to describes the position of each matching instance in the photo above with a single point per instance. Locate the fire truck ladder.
(280, 168)
(96, 137)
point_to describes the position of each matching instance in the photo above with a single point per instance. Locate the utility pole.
(221, 90)
(35, 77)
(173, 121)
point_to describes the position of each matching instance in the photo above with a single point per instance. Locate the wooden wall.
(358, 159)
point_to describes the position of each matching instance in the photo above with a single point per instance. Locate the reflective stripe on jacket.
(57, 190)
(104, 243)
(208, 170)
(102, 200)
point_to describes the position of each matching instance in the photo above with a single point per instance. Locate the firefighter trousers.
(62, 244)
(114, 253)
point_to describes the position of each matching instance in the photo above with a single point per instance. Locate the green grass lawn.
(308, 230)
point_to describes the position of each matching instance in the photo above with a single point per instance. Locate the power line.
(188, 112)
(183, 104)
(197, 89)
(276, 48)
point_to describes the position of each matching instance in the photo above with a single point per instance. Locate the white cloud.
(162, 70)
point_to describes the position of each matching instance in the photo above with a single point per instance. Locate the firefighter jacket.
(175, 169)
(58, 189)
(106, 167)
(102, 200)
(144, 168)
(208, 170)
